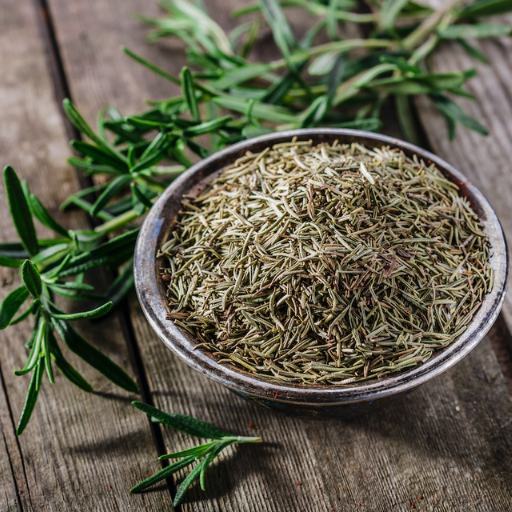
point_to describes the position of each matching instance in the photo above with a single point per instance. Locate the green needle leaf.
(277, 20)
(451, 110)
(255, 131)
(252, 35)
(316, 112)
(32, 394)
(31, 279)
(44, 217)
(35, 351)
(183, 423)
(20, 211)
(112, 189)
(273, 113)
(160, 142)
(197, 451)
(208, 126)
(400, 63)
(476, 31)
(5, 261)
(83, 127)
(334, 77)
(198, 149)
(13, 250)
(98, 154)
(47, 358)
(11, 304)
(220, 446)
(105, 253)
(82, 263)
(122, 284)
(94, 313)
(472, 51)
(92, 356)
(182, 489)
(389, 12)
(331, 20)
(483, 8)
(370, 125)
(275, 94)
(89, 168)
(67, 370)
(73, 285)
(23, 316)
(76, 295)
(372, 73)
(405, 118)
(141, 198)
(323, 64)
(187, 84)
(451, 125)
(241, 75)
(162, 474)
(150, 66)
(54, 272)
(51, 253)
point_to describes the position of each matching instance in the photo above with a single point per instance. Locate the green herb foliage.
(226, 97)
(204, 453)
(43, 265)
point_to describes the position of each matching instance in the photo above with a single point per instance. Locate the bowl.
(320, 401)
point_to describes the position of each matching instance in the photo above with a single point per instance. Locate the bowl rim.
(182, 344)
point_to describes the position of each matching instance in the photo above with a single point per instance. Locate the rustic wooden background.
(445, 447)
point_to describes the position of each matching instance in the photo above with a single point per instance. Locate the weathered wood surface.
(448, 442)
(80, 451)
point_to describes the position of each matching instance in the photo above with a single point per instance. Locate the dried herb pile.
(327, 264)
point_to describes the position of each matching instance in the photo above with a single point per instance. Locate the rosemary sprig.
(206, 453)
(325, 84)
(44, 264)
(404, 36)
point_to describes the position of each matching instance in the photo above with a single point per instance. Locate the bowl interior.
(158, 227)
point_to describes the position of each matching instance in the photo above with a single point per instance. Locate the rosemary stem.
(430, 44)
(320, 10)
(172, 170)
(86, 205)
(243, 439)
(427, 47)
(429, 25)
(117, 223)
(339, 46)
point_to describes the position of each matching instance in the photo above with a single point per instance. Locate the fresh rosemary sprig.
(44, 266)
(324, 84)
(327, 84)
(206, 453)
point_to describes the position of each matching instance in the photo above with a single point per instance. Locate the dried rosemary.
(326, 264)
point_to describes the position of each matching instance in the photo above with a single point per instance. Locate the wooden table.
(445, 447)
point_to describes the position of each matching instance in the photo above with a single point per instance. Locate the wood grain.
(11, 487)
(447, 442)
(80, 451)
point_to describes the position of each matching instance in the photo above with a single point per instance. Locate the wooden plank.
(80, 451)
(443, 442)
(11, 489)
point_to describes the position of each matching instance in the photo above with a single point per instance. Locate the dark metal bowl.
(322, 401)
